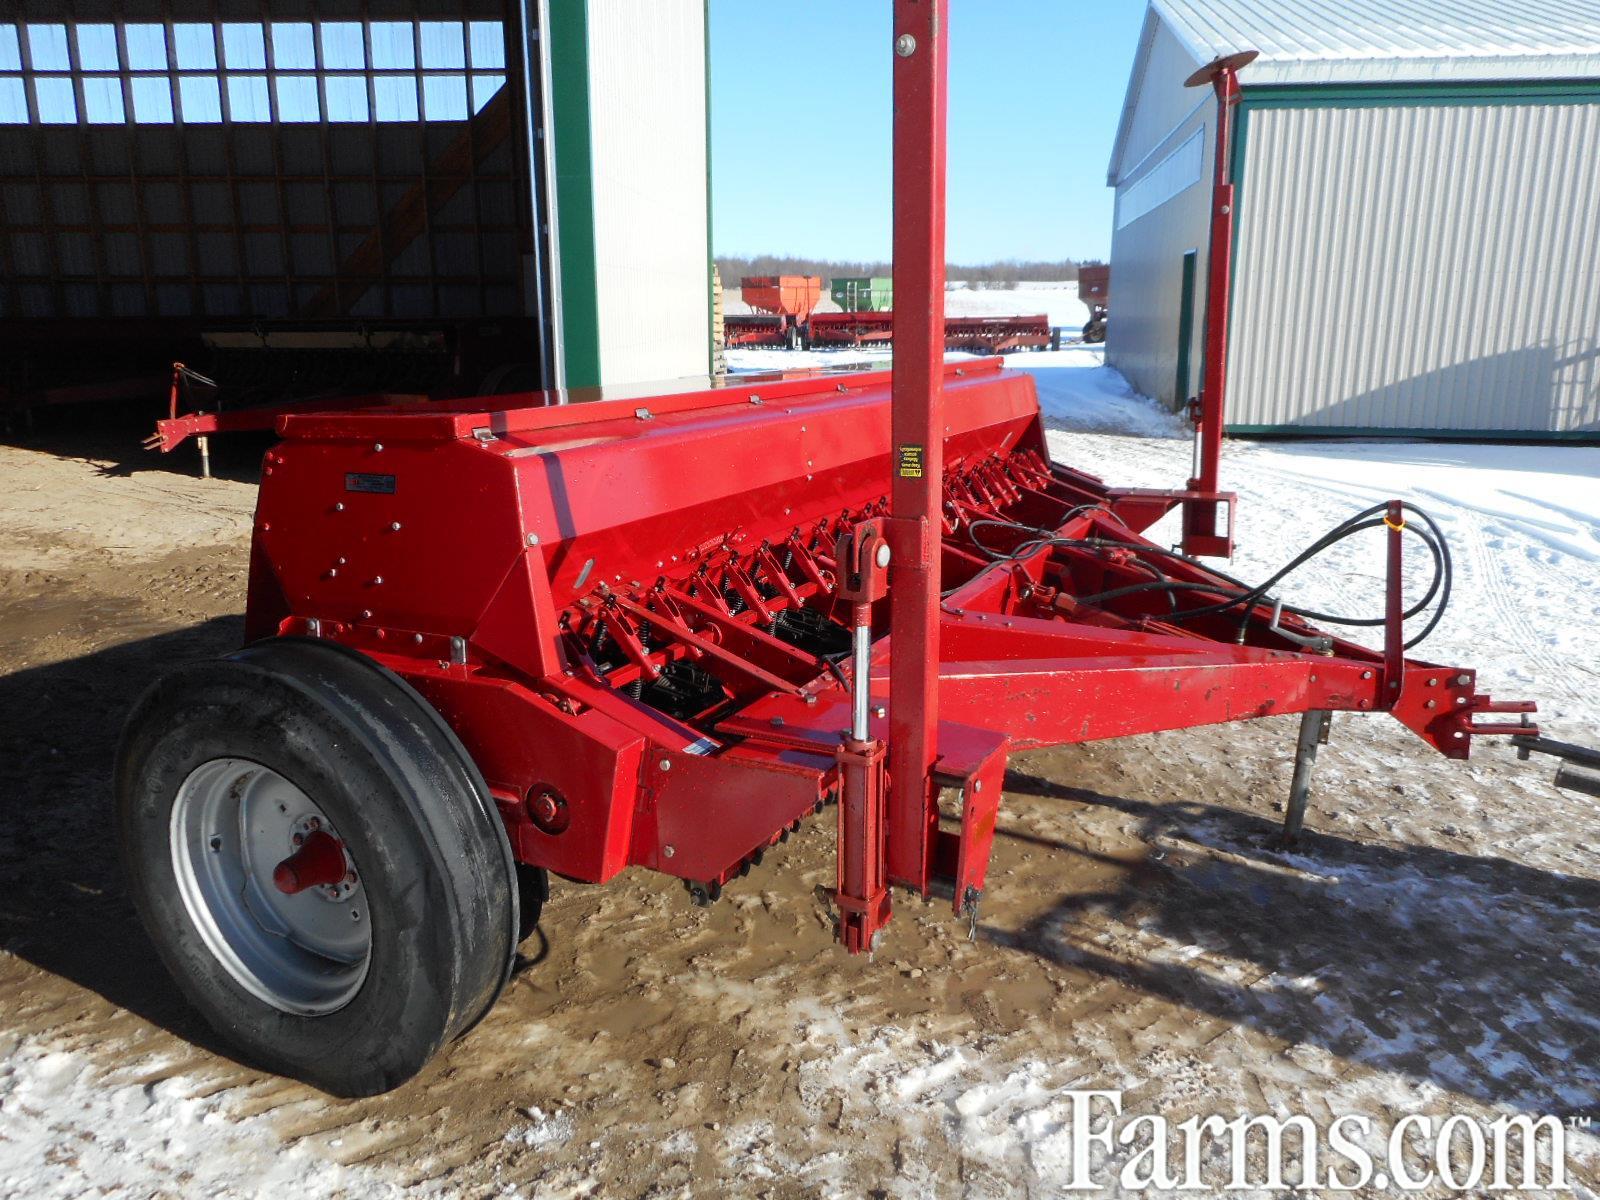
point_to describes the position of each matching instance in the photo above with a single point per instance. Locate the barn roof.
(1379, 41)
(1317, 40)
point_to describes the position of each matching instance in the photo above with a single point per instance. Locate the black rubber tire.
(414, 812)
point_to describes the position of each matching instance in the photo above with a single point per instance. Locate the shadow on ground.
(113, 434)
(62, 904)
(1471, 972)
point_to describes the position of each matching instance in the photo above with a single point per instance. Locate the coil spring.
(597, 647)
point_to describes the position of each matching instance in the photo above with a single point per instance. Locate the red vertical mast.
(921, 43)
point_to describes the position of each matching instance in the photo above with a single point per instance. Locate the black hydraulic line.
(1433, 537)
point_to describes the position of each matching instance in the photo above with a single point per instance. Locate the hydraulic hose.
(1235, 593)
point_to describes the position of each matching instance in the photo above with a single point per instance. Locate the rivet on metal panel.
(1366, 674)
(1463, 680)
(394, 526)
(366, 614)
(533, 539)
(377, 581)
(666, 764)
(339, 507)
(377, 447)
(417, 638)
(905, 45)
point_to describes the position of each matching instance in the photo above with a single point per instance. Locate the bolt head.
(394, 526)
(880, 712)
(905, 45)
(667, 851)
(377, 447)
(666, 764)
(533, 539)
(882, 556)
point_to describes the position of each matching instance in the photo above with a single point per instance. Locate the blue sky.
(800, 122)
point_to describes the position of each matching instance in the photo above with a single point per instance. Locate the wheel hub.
(270, 886)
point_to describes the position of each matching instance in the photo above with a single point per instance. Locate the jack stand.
(863, 891)
(1314, 727)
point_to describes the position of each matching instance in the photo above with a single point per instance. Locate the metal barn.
(334, 196)
(1418, 215)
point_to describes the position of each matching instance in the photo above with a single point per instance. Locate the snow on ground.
(1058, 301)
(1522, 522)
(67, 1129)
(1076, 389)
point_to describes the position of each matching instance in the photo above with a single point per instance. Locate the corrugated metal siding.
(1147, 273)
(1304, 40)
(1419, 267)
(652, 262)
(1163, 105)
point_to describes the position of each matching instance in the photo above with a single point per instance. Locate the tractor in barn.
(495, 641)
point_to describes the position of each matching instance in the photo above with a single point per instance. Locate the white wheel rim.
(232, 823)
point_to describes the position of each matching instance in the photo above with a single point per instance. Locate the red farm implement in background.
(1094, 289)
(496, 640)
(980, 335)
(783, 305)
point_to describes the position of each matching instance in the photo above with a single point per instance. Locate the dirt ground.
(1434, 947)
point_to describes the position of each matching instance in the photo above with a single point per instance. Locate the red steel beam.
(1200, 534)
(917, 431)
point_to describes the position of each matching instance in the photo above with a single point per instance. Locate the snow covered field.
(1433, 948)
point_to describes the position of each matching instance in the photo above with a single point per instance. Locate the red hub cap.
(318, 863)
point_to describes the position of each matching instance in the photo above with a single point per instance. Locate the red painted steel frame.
(1200, 517)
(922, 38)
